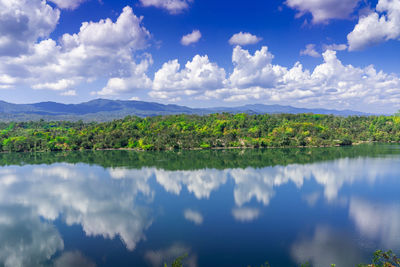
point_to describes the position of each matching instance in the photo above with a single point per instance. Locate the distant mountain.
(104, 110)
(275, 109)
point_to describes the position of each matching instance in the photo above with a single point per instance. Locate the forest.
(222, 130)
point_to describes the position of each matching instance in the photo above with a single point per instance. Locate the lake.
(220, 207)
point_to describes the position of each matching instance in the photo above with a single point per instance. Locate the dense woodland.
(193, 132)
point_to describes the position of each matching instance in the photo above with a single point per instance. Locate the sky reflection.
(124, 203)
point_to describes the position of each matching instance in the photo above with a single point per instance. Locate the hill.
(106, 110)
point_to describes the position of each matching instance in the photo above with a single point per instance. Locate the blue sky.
(341, 54)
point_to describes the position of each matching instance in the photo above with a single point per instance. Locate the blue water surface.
(219, 208)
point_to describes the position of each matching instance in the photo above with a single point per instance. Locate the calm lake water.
(222, 208)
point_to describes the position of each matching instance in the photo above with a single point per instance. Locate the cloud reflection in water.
(106, 202)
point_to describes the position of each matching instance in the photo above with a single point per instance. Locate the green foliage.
(199, 132)
(383, 259)
(380, 259)
(177, 262)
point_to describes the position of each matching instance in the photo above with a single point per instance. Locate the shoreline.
(200, 149)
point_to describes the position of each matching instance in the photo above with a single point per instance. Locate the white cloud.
(335, 47)
(244, 38)
(377, 27)
(59, 85)
(245, 214)
(324, 10)
(136, 81)
(127, 32)
(6, 81)
(68, 4)
(69, 93)
(253, 70)
(22, 22)
(193, 216)
(103, 49)
(191, 38)
(256, 78)
(331, 83)
(172, 6)
(310, 51)
(198, 75)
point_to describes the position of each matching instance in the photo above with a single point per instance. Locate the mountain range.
(105, 110)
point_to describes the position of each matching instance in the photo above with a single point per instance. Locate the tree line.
(199, 132)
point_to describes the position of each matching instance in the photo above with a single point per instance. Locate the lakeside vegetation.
(380, 259)
(199, 132)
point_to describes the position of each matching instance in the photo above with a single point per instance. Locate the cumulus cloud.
(68, 4)
(324, 10)
(22, 22)
(69, 93)
(256, 78)
(244, 38)
(197, 75)
(137, 80)
(6, 81)
(59, 85)
(172, 6)
(99, 50)
(191, 38)
(331, 83)
(193, 216)
(310, 51)
(376, 27)
(253, 70)
(334, 47)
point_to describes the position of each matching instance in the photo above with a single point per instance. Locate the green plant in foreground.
(383, 259)
(177, 262)
(380, 259)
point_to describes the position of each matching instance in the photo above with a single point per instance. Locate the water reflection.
(169, 254)
(245, 214)
(79, 195)
(377, 222)
(260, 183)
(25, 240)
(325, 247)
(199, 182)
(120, 202)
(73, 258)
(193, 216)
